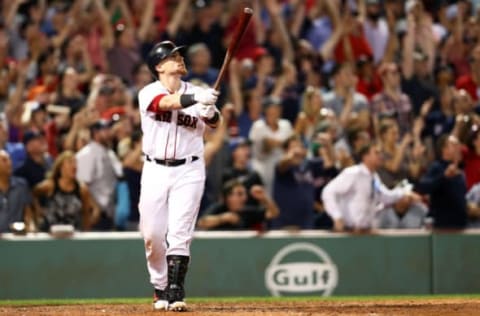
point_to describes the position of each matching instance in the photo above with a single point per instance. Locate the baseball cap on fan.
(271, 101)
(37, 106)
(106, 89)
(31, 135)
(259, 52)
(99, 124)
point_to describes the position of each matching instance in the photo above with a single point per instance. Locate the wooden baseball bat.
(232, 47)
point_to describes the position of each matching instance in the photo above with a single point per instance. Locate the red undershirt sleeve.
(153, 106)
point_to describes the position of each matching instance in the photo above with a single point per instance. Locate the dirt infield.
(370, 307)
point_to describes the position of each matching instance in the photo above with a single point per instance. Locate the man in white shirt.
(354, 196)
(267, 136)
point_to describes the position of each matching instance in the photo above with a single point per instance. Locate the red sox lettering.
(187, 120)
(165, 116)
(183, 119)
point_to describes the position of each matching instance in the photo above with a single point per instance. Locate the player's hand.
(206, 96)
(207, 111)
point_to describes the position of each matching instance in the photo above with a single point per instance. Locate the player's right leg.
(183, 205)
(153, 227)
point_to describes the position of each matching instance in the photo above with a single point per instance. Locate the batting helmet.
(159, 52)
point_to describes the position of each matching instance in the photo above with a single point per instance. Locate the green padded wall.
(93, 265)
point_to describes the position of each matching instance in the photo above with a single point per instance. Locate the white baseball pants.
(169, 204)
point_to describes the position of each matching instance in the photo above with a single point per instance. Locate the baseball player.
(174, 114)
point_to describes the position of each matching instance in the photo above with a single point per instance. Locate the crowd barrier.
(276, 263)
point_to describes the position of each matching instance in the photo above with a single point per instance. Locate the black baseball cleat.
(175, 296)
(160, 301)
(178, 306)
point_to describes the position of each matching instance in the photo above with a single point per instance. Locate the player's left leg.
(183, 206)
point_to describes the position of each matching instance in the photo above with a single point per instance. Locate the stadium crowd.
(374, 100)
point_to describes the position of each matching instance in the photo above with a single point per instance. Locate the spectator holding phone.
(232, 213)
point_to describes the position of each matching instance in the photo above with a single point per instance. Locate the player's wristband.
(213, 120)
(187, 100)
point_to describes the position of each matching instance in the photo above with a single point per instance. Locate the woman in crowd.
(399, 160)
(63, 199)
(68, 93)
(309, 118)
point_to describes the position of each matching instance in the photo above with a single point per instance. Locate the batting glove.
(206, 96)
(207, 111)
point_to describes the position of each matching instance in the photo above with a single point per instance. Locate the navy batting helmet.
(159, 52)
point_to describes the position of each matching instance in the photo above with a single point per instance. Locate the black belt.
(170, 162)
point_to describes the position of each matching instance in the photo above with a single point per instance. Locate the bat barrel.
(232, 47)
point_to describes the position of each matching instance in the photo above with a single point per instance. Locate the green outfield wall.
(97, 265)
(456, 263)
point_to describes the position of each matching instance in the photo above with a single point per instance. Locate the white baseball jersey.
(172, 134)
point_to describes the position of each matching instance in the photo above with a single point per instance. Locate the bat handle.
(221, 74)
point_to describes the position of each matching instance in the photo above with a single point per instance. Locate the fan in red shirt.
(353, 43)
(471, 82)
(369, 82)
